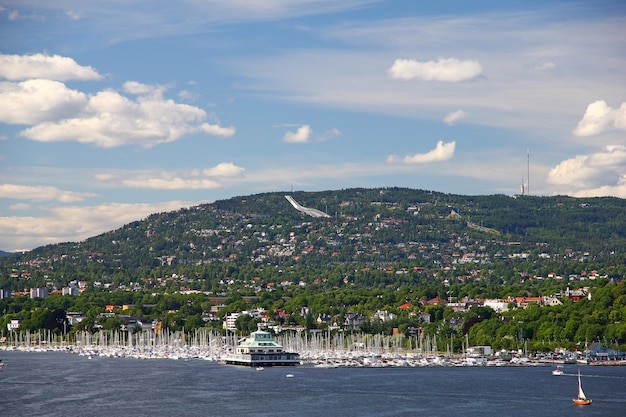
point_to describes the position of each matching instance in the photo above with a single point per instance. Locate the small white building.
(384, 316)
(14, 324)
(230, 321)
(479, 351)
(496, 305)
(70, 291)
(41, 292)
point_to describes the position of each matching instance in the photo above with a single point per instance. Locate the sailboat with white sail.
(582, 398)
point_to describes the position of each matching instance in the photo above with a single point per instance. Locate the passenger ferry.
(259, 349)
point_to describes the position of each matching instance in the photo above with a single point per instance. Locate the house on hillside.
(578, 294)
(435, 301)
(384, 316)
(353, 321)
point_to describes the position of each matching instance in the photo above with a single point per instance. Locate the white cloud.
(171, 183)
(444, 69)
(106, 119)
(209, 178)
(216, 130)
(600, 170)
(224, 169)
(74, 14)
(187, 180)
(41, 193)
(301, 135)
(34, 101)
(74, 223)
(110, 119)
(546, 66)
(187, 96)
(135, 87)
(599, 117)
(329, 134)
(454, 117)
(104, 177)
(442, 152)
(617, 190)
(55, 67)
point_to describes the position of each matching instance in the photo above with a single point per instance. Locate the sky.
(113, 110)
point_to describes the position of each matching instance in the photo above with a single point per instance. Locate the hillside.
(380, 229)
(499, 270)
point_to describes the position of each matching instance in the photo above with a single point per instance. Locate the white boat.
(259, 349)
(582, 398)
(558, 371)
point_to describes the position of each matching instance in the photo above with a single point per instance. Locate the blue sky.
(112, 110)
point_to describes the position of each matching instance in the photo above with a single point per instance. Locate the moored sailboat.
(582, 398)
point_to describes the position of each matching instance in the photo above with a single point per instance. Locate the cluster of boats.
(260, 350)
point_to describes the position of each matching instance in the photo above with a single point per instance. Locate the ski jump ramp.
(310, 211)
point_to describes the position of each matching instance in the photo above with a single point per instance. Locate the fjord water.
(61, 384)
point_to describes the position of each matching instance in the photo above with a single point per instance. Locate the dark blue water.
(61, 384)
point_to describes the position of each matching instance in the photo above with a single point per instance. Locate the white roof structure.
(310, 211)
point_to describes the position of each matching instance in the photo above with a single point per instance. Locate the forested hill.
(380, 229)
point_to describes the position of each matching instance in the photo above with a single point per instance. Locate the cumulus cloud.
(598, 170)
(41, 193)
(600, 117)
(444, 69)
(35, 101)
(224, 169)
(442, 152)
(106, 119)
(216, 130)
(454, 117)
(617, 190)
(110, 119)
(73, 223)
(301, 135)
(135, 87)
(55, 67)
(304, 134)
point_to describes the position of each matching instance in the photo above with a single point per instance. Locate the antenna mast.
(528, 171)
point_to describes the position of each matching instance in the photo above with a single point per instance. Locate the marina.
(263, 348)
(248, 354)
